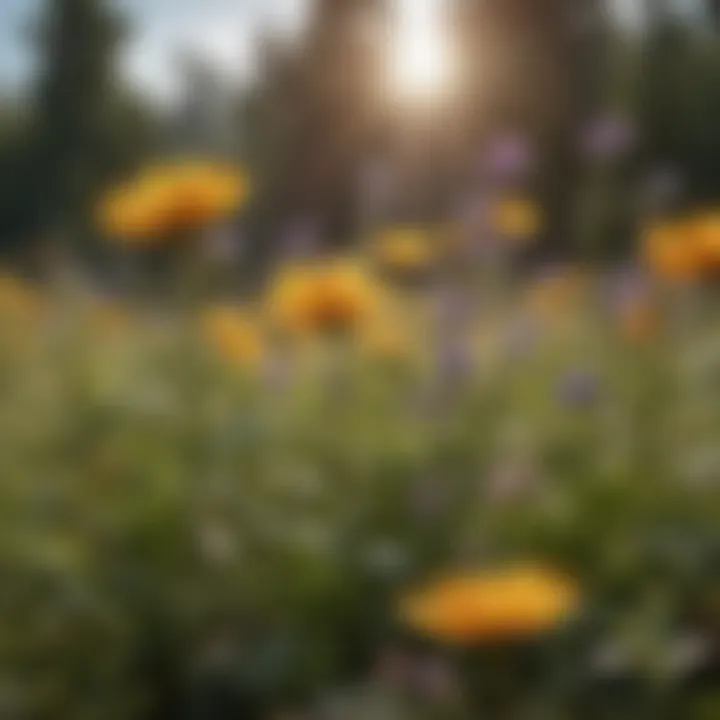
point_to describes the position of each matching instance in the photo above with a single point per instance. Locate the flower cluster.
(166, 201)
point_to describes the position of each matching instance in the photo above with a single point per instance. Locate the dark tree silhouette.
(77, 39)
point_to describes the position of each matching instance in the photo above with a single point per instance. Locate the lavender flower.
(626, 288)
(509, 160)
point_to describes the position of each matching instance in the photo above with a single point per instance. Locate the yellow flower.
(704, 233)
(168, 200)
(233, 335)
(325, 297)
(404, 250)
(508, 604)
(517, 218)
(672, 250)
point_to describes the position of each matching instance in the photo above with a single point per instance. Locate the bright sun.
(421, 64)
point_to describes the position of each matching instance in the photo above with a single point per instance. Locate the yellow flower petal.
(508, 604)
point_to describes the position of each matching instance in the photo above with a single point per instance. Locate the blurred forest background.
(312, 124)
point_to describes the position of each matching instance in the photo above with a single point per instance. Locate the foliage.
(184, 536)
(80, 128)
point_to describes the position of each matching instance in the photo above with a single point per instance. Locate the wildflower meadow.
(434, 465)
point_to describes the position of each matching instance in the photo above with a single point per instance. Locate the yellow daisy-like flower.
(165, 201)
(517, 218)
(323, 298)
(703, 232)
(673, 251)
(404, 250)
(233, 335)
(505, 605)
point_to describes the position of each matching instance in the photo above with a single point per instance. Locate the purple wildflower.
(509, 160)
(626, 288)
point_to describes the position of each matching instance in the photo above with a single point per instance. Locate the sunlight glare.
(421, 65)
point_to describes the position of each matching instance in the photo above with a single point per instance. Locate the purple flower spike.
(626, 288)
(509, 159)
(608, 138)
(579, 389)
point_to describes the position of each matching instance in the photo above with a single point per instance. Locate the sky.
(221, 30)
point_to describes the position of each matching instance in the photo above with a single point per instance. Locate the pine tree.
(714, 8)
(324, 94)
(73, 103)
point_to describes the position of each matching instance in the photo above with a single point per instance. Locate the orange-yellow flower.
(504, 605)
(517, 218)
(404, 250)
(325, 297)
(704, 234)
(673, 251)
(233, 335)
(168, 200)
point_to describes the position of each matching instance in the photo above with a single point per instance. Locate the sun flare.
(422, 63)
